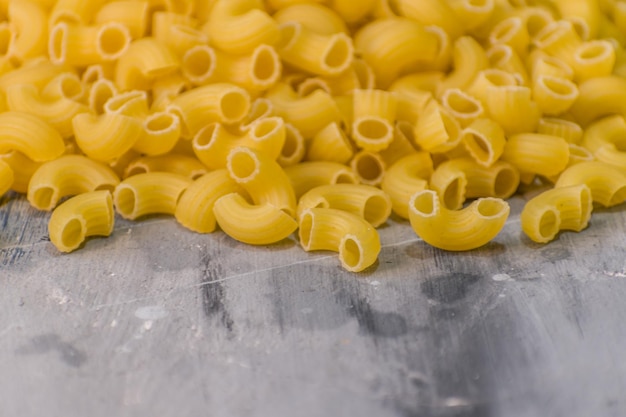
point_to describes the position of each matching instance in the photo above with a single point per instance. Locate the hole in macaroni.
(288, 33)
(350, 252)
(71, 87)
(306, 227)
(339, 54)
(101, 91)
(364, 74)
(73, 234)
(425, 203)
(113, 40)
(206, 136)
(105, 187)
(135, 170)
(375, 210)
(506, 30)
(549, 224)
(125, 201)
(345, 178)
(199, 63)
(536, 20)
(461, 103)
(580, 26)
(579, 153)
(291, 146)
(161, 122)
(369, 167)
(478, 146)
(406, 129)
(373, 129)
(261, 109)
(558, 87)
(499, 55)
(310, 85)
(265, 127)
(45, 198)
(594, 51)
(266, 67)
(57, 43)
(505, 183)
(499, 78)
(490, 207)
(454, 194)
(452, 128)
(234, 106)
(243, 165)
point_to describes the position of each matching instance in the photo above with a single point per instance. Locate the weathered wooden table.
(159, 321)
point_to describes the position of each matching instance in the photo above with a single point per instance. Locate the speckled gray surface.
(159, 321)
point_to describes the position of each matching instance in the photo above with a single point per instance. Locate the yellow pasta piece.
(484, 140)
(593, 59)
(456, 230)
(30, 23)
(504, 101)
(256, 71)
(195, 206)
(86, 45)
(294, 148)
(82, 216)
(214, 142)
(22, 169)
(143, 61)
(373, 115)
(262, 178)
(504, 57)
(554, 95)
(536, 153)
(354, 238)
(599, 97)
(469, 58)
(308, 175)
(313, 52)
(180, 37)
(462, 106)
(402, 41)
(108, 136)
(568, 130)
(437, 130)
(606, 182)
(432, 12)
(606, 139)
(461, 178)
(351, 11)
(411, 100)
(132, 14)
(314, 17)
(29, 135)
(99, 93)
(149, 193)
(370, 203)
(281, 4)
(176, 163)
(308, 114)
(74, 11)
(369, 167)
(472, 13)
(404, 178)
(254, 224)
(491, 77)
(238, 26)
(588, 11)
(259, 109)
(132, 103)
(563, 208)
(161, 132)
(330, 144)
(543, 64)
(401, 145)
(68, 175)
(220, 102)
(558, 39)
(6, 177)
(512, 32)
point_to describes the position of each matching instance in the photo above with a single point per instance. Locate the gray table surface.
(158, 321)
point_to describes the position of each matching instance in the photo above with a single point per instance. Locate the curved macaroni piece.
(543, 64)
(401, 145)
(307, 175)
(456, 230)
(161, 133)
(30, 23)
(568, 130)
(374, 113)
(312, 52)
(149, 193)
(437, 131)
(7, 177)
(352, 236)
(87, 45)
(37, 71)
(606, 140)
(586, 10)
(263, 179)
(606, 182)
(99, 93)
(88, 214)
(144, 60)
(315, 17)
(132, 103)
(484, 139)
(330, 144)
(256, 71)
(220, 102)
(489, 78)
(502, 102)
(68, 175)
(58, 113)
(599, 97)
(22, 168)
(404, 178)
(30, 135)
(176, 163)
(461, 178)
(368, 202)
(563, 208)
(213, 143)
(537, 154)
(402, 41)
(559, 39)
(554, 95)
(253, 224)
(238, 26)
(165, 89)
(369, 167)
(132, 14)
(593, 59)
(108, 136)
(469, 58)
(195, 207)
(307, 114)
(462, 106)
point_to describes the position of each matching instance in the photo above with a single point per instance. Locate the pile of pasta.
(322, 117)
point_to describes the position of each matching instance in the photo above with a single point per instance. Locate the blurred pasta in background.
(262, 117)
